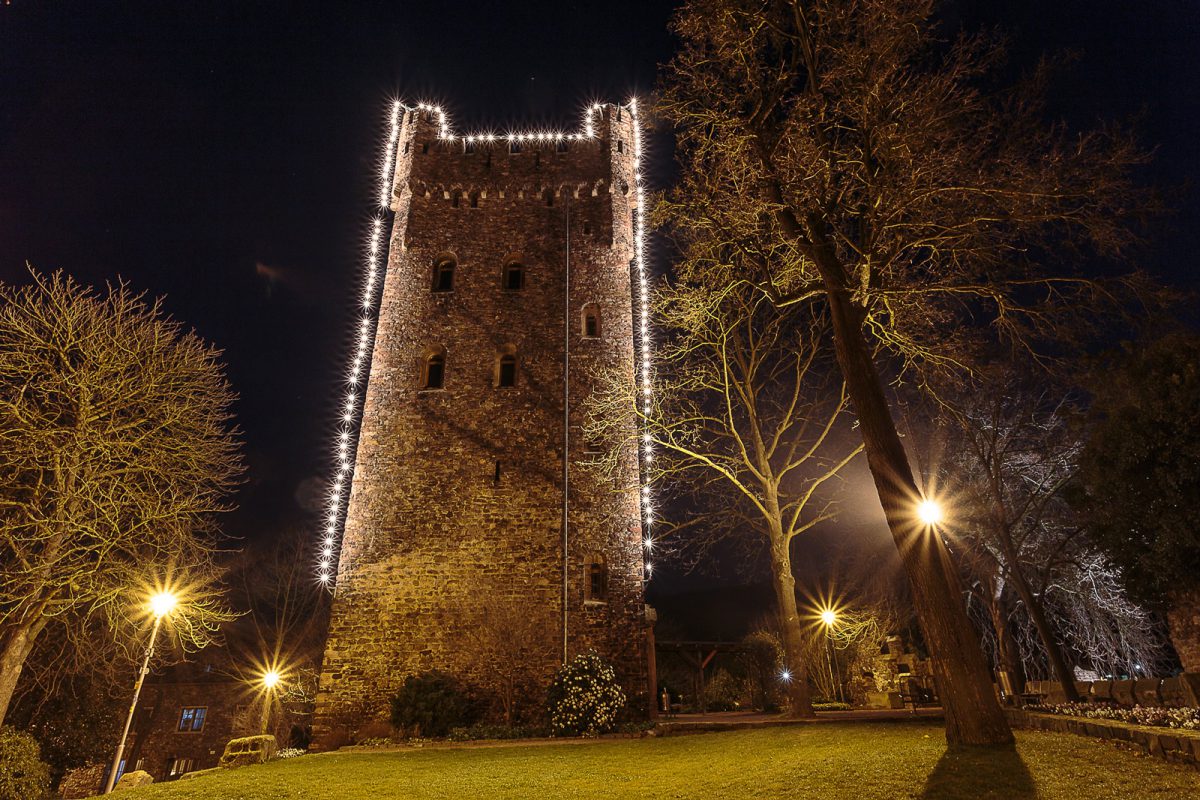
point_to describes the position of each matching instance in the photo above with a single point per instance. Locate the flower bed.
(1154, 716)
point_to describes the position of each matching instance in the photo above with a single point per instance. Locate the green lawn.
(834, 760)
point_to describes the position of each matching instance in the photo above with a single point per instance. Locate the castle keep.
(507, 297)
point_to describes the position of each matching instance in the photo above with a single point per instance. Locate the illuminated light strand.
(346, 441)
(645, 365)
(512, 137)
(345, 445)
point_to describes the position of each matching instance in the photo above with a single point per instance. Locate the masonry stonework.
(457, 496)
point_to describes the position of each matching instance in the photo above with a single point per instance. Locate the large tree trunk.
(799, 699)
(1183, 626)
(18, 644)
(964, 683)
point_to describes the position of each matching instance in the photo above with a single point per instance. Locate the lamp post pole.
(137, 690)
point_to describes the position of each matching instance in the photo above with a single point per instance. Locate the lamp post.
(161, 604)
(270, 680)
(829, 618)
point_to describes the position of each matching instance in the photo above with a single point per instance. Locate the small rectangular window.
(191, 719)
(508, 372)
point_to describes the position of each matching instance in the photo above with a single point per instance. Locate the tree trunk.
(17, 647)
(799, 699)
(1183, 626)
(1006, 646)
(1034, 606)
(964, 683)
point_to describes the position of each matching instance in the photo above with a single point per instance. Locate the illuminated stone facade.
(457, 496)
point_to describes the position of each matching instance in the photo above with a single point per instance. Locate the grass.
(858, 761)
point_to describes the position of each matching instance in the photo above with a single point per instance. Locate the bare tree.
(511, 650)
(282, 630)
(116, 451)
(887, 183)
(747, 421)
(1012, 453)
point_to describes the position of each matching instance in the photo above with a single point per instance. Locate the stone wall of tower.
(457, 493)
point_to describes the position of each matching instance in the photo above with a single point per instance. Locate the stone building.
(184, 718)
(507, 297)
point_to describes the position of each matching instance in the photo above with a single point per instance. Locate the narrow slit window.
(591, 321)
(514, 276)
(596, 579)
(443, 273)
(474, 198)
(435, 371)
(496, 476)
(548, 196)
(456, 199)
(506, 371)
(620, 145)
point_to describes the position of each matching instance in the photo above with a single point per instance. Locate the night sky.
(223, 154)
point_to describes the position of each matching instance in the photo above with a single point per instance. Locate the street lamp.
(161, 605)
(930, 512)
(829, 619)
(270, 679)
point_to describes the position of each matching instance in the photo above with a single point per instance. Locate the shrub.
(488, 731)
(831, 705)
(1155, 716)
(584, 699)
(430, 704)
(23, 774)
(721, 693)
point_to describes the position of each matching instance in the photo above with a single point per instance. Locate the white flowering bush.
(584, 699)
(1155, 716)
(291, 752)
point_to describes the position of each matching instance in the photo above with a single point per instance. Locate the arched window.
(595, 579)
(433, 369)
(506, 367)
(548, 196)
(474, 197)
(455, 198)
(591, 321)
(514, 275)
(443, 273)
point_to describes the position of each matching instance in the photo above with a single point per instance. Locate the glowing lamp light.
(785, 676)
(270, 679)
(163, 604)
(828, 617)
(930, 512)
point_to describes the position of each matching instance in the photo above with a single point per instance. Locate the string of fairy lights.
(359, 365)
(356, 376)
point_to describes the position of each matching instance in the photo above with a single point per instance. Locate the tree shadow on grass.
(976, 773)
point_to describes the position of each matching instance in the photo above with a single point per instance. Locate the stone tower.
(507, 296)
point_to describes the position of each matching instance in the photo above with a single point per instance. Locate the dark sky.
(223, 153)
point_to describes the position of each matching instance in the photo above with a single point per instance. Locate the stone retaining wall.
(1169, 744)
